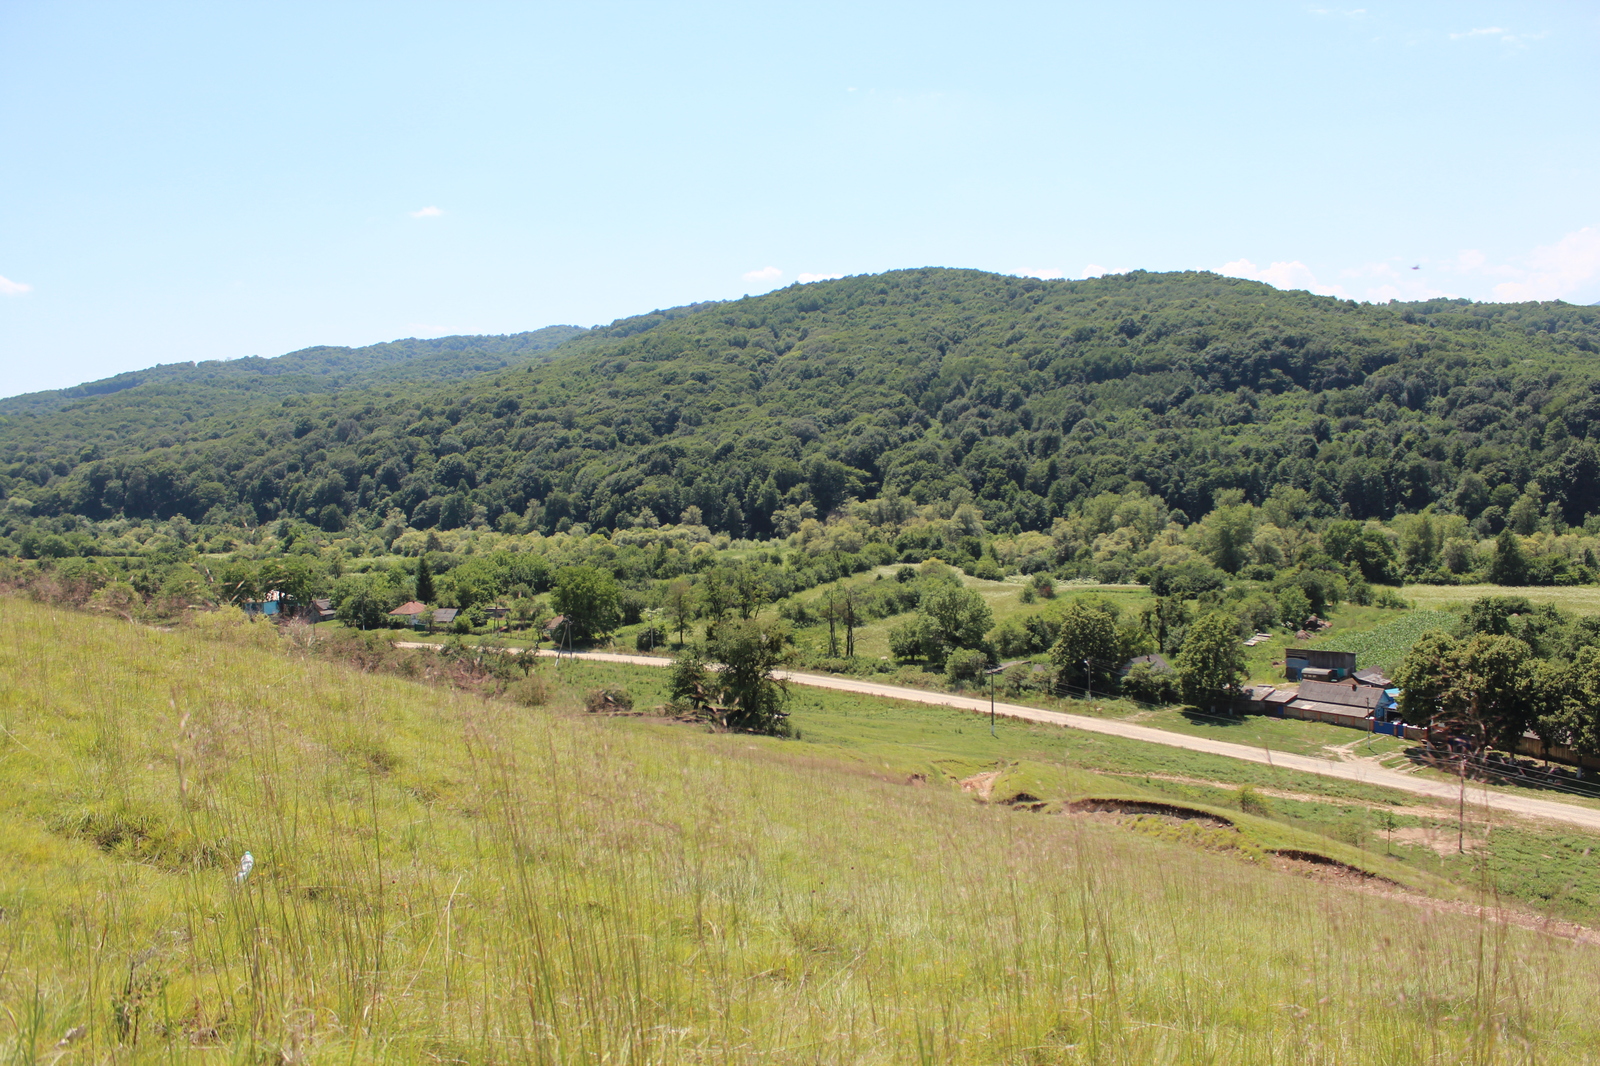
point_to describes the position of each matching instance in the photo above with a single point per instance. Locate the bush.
(531, 691)
(1021, 678)
(650, 638)
(1152, 684)
(1259, 612)
(1253, 802)
(987, 570)
(1029, 595)
(798, 612)
(1011, 639)
(1391, 600)
(966, 664)
(1294, 606)
(608, 699)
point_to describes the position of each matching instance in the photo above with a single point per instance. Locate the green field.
(442, 876)
(1575, 599)
(1386, 644)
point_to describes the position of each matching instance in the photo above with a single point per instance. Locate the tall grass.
(441, 877)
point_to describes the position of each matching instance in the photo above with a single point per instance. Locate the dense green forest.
(844, 460)
(1028, 396)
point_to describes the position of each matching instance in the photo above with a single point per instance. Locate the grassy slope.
(1562, 879)
(440, 876)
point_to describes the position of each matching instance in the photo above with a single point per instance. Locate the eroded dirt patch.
(1174, 811)
(981, 785)
(1441, 838)
(1323, 868)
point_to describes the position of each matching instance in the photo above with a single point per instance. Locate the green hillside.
(311, 370)
(450, 877)
(1027, 396)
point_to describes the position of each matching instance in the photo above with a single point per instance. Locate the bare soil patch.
(1441, 838)
(1321, 867)
(981, 784)
(1172, 811)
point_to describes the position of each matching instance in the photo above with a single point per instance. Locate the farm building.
(1346, 703)
(273, 603)
(1155, 662)
(1327, 665)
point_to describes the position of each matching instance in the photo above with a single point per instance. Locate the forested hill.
(1029, 395)
(324, 368)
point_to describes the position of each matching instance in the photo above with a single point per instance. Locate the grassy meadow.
(1572, 599)
(442, 877)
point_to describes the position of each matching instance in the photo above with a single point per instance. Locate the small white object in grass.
(246, 864)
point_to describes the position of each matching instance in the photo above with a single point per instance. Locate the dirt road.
(1361, 772)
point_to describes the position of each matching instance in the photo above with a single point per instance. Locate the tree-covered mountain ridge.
(1024, 395)
(321, 368)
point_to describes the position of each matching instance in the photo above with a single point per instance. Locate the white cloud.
(806, 279)
(1095, 270)
(427, 212)
(764, 274)
(1568, 269)
(1048, 273)
(1281, 275)
(13, 288)
(1555, 271)
(1501, 32)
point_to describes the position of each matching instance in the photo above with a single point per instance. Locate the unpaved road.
(1363, 773)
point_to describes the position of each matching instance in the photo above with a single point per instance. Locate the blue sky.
(208, 181)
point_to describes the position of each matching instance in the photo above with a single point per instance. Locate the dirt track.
(1363, 773)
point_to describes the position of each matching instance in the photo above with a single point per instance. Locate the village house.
(1346, 703)
(411, 612)
(318, 611)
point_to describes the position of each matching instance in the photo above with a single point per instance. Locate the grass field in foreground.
(441, 877)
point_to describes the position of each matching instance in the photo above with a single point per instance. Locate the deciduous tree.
(590, 598)
(1211, 665)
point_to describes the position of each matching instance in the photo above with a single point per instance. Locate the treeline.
(1028, 398)
(1276, 563)
(1509, 668)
